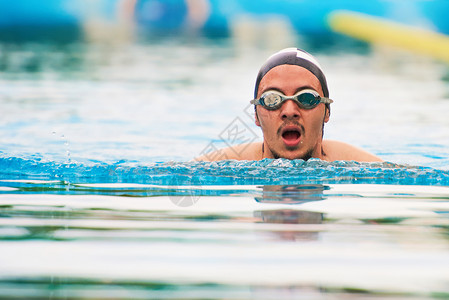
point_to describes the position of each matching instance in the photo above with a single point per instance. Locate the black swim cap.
(297, 57)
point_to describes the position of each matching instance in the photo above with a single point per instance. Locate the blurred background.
(158, 80)
(129, 20)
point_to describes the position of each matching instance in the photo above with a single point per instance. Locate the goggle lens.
(308, 100)
(271, 100)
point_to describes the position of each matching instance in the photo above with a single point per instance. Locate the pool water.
(100, 198)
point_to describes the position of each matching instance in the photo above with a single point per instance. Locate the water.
(99, 198)
(124, 241)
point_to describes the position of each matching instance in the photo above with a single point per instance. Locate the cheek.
(266, 118)
(314, 119)
(260, 116)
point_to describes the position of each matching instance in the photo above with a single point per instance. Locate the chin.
(292, 153)
(304, 155)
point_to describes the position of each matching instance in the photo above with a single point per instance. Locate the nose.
(290, 110)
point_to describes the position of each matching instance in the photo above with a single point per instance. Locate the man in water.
(292, 105)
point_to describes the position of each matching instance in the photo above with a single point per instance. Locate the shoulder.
(335, 150)
(250, 151)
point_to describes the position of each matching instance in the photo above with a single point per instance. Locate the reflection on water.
(264, 242)
(291, 194)
(287, 216)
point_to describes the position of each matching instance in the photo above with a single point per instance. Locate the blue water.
(100, 198)
(228, 172)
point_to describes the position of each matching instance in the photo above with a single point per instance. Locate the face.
(290, 131)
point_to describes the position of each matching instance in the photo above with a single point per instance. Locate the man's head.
(292, 130)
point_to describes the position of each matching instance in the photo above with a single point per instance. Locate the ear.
(327, 114)
(256, 116)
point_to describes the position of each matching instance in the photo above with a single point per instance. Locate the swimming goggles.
(306, 99)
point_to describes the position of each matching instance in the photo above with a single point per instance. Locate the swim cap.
(297, 57)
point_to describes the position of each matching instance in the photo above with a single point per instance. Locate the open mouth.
(291, 137)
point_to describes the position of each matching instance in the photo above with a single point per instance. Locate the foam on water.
(229, 172)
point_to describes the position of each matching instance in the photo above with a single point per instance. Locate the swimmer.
(292, 105)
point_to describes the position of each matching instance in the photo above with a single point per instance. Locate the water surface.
(99, 198)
